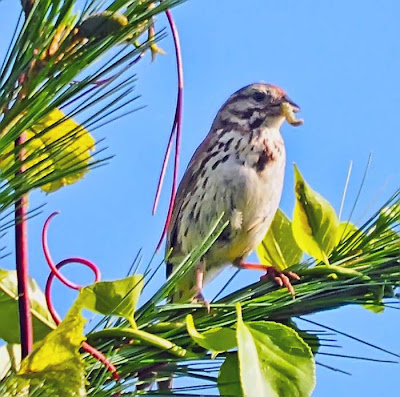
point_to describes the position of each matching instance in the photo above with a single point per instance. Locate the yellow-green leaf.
(273, 360)
(344, 231)
(65, 145)
(55, 365)
(36, 158)
(43, 323)
(118, 298)
(217, 340)
(374, 298)
(279, 248)
(315, 224)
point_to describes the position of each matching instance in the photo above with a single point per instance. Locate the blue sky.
(338, 60)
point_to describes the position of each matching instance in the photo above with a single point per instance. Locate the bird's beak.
(288, 109)
(295, 107)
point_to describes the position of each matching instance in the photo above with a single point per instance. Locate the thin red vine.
(55, 272)
(175, 131)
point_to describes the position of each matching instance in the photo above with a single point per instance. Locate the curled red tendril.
(55, 272)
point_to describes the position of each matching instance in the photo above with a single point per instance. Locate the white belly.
(256, 197)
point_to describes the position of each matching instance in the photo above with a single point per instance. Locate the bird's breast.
(250, 185)
(242, 177)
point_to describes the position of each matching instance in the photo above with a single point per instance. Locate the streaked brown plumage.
(237, 170)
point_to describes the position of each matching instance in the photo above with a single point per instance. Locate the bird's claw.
(283, 279)
(199, 298)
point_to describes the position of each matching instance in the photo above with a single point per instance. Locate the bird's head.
(260, 104)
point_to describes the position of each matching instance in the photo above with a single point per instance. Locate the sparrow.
(238, 170)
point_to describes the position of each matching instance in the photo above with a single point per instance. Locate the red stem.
(164, 165)
(176, 128)
(103, 359)
(21, 257)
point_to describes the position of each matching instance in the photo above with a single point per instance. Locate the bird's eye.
(259, 96)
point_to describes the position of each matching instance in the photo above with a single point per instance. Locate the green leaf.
(374, 299)
(315, 223)
(279, 248)
(311, 339)
(273, 360)
(118, 298)
(43, 323)
(217, 340)
(229, 377)
(55, 365)
(54, 144)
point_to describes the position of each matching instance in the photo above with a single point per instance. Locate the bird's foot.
(199, 298)
(283, 279)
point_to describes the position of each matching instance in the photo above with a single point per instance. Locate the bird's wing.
(186, 187)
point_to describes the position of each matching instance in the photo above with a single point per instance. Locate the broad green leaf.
(64, 145)
(43, 323)
(250, 365)
(344, 231)
(217, 340)
(10, 358)
(315, 223)
(229, 378)
(118, 298)
(273, 360)
(279, 248)
(55, 364)
(311, 339)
